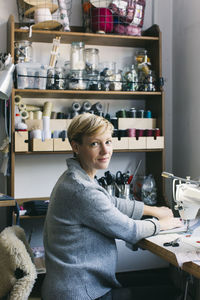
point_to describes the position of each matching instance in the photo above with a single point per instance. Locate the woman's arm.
(157, 212)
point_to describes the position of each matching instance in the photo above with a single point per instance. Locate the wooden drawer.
(61, 145)
(139, 143)
(120, 144)
(21, 141)
(157, 143)
(39, 145)
(138, 123)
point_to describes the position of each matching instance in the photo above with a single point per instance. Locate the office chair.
(17, 270)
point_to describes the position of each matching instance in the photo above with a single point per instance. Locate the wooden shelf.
(46, 36)
(5, 203)
(31, 93)
(70, 152)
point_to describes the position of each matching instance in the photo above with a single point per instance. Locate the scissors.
(173, 243)
(122, 178)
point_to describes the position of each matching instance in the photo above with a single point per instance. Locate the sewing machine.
(186, 194)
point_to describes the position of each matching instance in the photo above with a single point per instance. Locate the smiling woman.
(91, 142)
(83, 221)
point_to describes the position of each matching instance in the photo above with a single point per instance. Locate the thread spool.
(114, 121)
(86, 106)
(76, 106)
(139, 132)
(42, 14)
(157, 132)
(149, 132)
(60, 115)
(53, 115)
(18, 100)
(47, 109)
(148, 114)
(37, 115)
(140, 113)
(121, 113)
(24, 114)
(97, 107)
(56, 134)
(46, 135)
(132, 113)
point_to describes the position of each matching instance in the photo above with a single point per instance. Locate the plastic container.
(31, 76)
(149, 191)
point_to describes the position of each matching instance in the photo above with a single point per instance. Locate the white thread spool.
(42, 14)
(46, 123)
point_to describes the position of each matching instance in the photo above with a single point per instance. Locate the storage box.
(31, 76)
(157, 143)
(138, 123)
(134, 143)
(21, 141)
(39, 145)
(55, 124)
(60, 145)
(120, 144)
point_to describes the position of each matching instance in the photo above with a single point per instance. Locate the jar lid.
(78, 44)
(26, 42)
(92, 50)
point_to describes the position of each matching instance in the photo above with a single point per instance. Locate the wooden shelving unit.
(151, 41)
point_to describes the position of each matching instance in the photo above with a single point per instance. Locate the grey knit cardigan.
(81, 226)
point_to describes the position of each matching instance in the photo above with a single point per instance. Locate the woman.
(83, 220)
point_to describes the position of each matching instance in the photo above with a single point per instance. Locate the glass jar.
(78, 80)
(23, 51)
(77, 56)
(92, 60)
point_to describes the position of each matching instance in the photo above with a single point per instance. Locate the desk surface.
(151, 244)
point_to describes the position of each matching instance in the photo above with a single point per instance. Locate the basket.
(45, 14)
(124, 17)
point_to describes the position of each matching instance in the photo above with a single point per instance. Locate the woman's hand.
(158, 212)
(170, 223)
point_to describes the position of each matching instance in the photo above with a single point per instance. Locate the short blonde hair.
(87, 124)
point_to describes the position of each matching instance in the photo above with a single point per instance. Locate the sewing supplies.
(23, 51)
(173, 243)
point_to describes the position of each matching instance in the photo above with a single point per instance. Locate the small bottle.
(18, 120)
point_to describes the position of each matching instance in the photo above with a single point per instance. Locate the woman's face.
(95, 152)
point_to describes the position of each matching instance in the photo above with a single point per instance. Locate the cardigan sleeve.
(132, 208)
(95, 210)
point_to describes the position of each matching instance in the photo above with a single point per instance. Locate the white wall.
(186, 104)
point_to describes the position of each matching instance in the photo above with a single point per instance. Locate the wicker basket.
(45, 14)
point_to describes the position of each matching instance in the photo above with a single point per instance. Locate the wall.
(186, 107)
(156, 12)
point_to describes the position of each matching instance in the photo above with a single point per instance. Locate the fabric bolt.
(81, 225)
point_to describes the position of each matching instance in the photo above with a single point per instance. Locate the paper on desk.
(193, 225)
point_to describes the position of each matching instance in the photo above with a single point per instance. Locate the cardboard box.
(21, 141)
(39, 145)
(60, 145)
(138, 123)
(134, 143)
(120, 144)
(157, 143)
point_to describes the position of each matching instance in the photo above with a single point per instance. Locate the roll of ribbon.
(24, 114)
(42, 14)
(149, 132)
(139, 132)
(60, 115)
(18, 99)
(22, 106)
(131, 132)
(38, 115)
